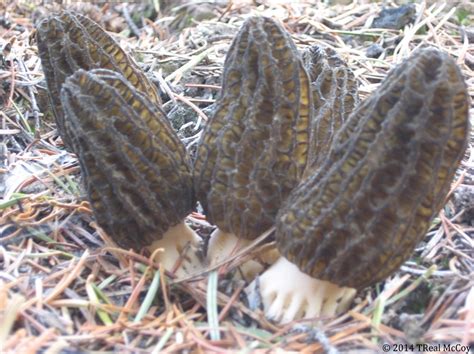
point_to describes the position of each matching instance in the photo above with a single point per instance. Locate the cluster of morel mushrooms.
(350, 188)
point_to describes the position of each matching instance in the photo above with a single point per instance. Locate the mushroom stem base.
(180, 246)
(223, 245)
(289, 294)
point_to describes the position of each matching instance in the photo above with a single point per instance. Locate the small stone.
(374, 51)
(463, 199)
(411, 326)
(395, 18)
(469, 32)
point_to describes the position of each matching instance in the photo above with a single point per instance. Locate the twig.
(133, 27)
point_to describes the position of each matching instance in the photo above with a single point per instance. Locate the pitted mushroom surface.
(254, 149)
(136, 170)
(334, 94)
(359, 215)
(68, 42)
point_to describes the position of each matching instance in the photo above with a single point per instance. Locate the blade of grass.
(212, 315)
(42, 236)
(73, 186)
(16, 197)
(188, 66)
(161, 343)
(66, 187)
(426, 275)
(49, 254)
(100, 294)
(22, 117)
(94, 299)
(150, 296)
(9, 317)
(378, 311)
(259, 334)
(107, 281)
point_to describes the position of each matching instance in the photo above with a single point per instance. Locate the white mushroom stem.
(223, 245)
(289, 294)
(179, 255)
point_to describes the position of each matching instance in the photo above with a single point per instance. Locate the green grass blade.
(212, 315)
(150, 296)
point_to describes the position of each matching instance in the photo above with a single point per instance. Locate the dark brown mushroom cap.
(68, 42)
(335, 95)
(358, 216)
(136, 170)
(254, 149)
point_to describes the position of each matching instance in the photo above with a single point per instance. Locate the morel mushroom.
(254, 149)
(137, 173)
(68, 42)
(335, 95)
(358, 216)
(135, 168)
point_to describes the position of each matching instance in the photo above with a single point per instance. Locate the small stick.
(34, 105)
(195, 108)
(133, 27)
(176, 75)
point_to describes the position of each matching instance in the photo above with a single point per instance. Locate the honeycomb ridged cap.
(254, 148)
(136, 170)
(356, 218)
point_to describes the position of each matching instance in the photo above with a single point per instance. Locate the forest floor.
(64, 288)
